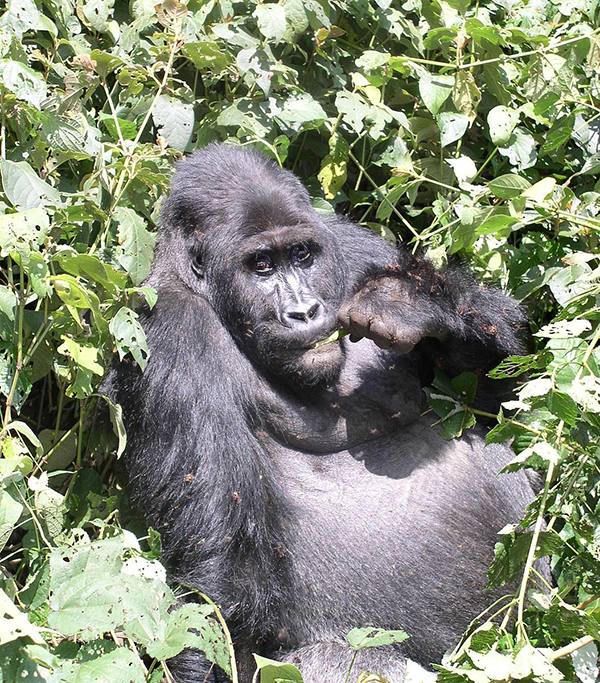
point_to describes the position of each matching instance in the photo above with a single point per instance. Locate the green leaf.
(64, 134)
(520, 149)
(129, 336)
(296, 18)
(14, 623)
(502, 122)
(191, 626)
(465, 94)
(27, 432)
(85, 355)
(8, 299)
(121, 665)
(272, 671)
(127, 129)
(271, 22)
(512, 550)
(332, 175)
(206, 55)
(363, 638)
(91, 268)
(136, 248)
(464, 169)
(465, 386)
(545, 103)
(24, 188)
(96, 13)
(371, 60)
(174, 120)
(49, 506)
(116, 419)
(74, 293)
(22, 16)
(540, 191)
(23, 82)
(104, 63)
(86, 365)
(353, 109)
(481, 31)
(435, 90)
(256, 65)
(90, 594)
(563, 406)
(508, 186)
(452, 127)
(559, 134)
(23, 230)
(10, 513)
(301, 109)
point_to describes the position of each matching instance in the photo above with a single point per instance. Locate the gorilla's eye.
(262, 264)
(300, 253)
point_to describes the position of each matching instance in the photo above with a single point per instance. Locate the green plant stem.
(113, 113)
(2, 128)
(506, 420)
(502, 58)
(532, 549)
(382, 196)
(129, 165)
(470, 630)
(432, 181)
(82, 406)
(584, 221)
(573, 647)
(485, 163)
(542, 509)
(352, 662)
(61, 400)
(19, 363)
(588, 601)
(63, 438)
(36, 521)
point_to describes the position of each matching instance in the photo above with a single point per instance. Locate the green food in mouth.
(337, 335)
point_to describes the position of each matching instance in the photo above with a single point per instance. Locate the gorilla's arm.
(454, 323)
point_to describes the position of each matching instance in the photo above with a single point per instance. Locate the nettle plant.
(462, 128)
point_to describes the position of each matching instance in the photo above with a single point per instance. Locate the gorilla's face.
(278, 291)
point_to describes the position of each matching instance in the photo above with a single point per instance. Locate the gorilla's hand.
(393, 314)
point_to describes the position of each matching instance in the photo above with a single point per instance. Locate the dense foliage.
(461, 127)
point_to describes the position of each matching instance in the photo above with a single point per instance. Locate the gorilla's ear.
(196, 248)
(197, 262)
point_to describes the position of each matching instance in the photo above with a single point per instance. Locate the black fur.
(301, 489)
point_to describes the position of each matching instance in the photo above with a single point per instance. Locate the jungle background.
(467, 130)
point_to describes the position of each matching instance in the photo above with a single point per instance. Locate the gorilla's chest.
(391, 532)
(378, 393)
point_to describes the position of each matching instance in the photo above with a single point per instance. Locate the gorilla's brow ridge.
(281, 238)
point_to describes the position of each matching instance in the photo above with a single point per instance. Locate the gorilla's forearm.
(453, 323)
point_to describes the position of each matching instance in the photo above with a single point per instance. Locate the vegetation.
(465, 128)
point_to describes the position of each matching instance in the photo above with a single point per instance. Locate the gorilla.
(304, 487)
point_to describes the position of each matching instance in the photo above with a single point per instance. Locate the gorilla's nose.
(303, 311)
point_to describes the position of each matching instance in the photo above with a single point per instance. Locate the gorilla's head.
(266, 261)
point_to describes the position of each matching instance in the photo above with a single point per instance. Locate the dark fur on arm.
(450, 321)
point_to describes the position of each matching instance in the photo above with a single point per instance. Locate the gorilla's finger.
(380, 334)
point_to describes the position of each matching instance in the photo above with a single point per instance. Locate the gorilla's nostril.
(303, 311)
(314, 309)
